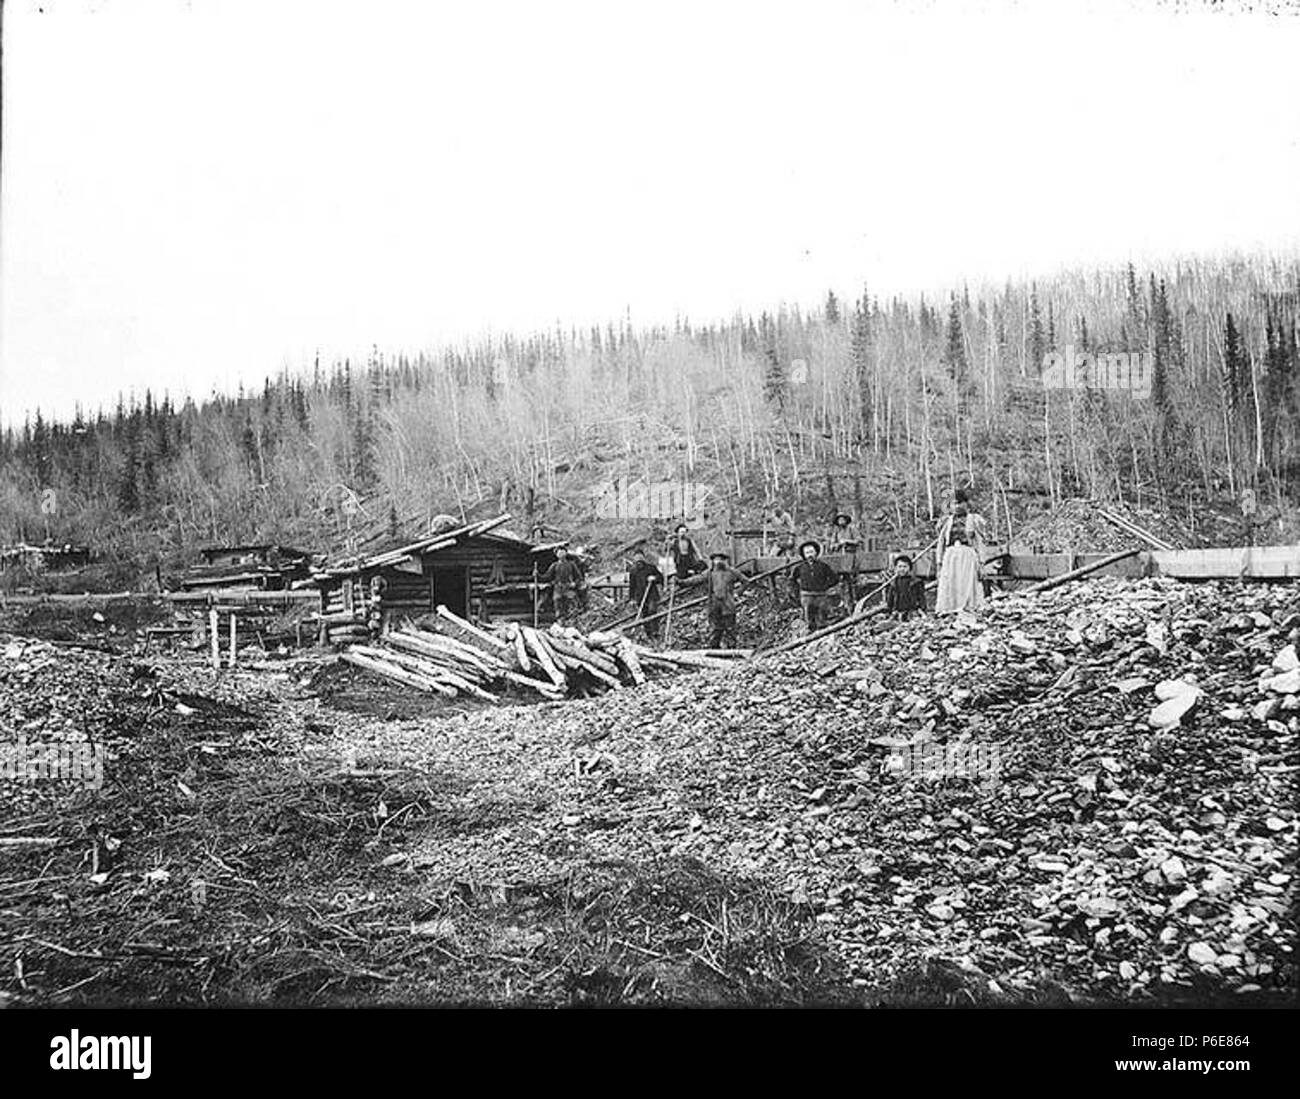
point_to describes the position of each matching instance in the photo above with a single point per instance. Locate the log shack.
(476, 571)
(254, 567)
(44, 558)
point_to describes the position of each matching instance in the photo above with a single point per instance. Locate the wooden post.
(536, 591)
(668, 625)
(214, 636)
(232, 638)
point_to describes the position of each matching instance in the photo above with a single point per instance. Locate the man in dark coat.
(565, 578)
(687, 561)
(720, 581)
(814, 582)
(644, 584)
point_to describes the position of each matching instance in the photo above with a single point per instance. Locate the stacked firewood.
(444, 654)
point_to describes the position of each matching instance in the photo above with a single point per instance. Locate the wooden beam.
(1075, 574)
(1129, 527)
(401, 675)
(834, 627)
(470, 628)
(1248, 562)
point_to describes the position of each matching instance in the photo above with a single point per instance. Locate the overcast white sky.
(198, 192)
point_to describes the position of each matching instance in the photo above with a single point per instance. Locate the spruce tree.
(1133, 297)
(860, 348)
(775, 382)
(1037, 334)
(128, 495)
(40, 451)
(954, 353)
(364, 457)
(1235, 383)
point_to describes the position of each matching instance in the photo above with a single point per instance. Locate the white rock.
(1262, 711)
(1173, 870)
(1172, 688)
(1202, 953)
(1156, 634)
(1285, 684)
(1171, 712)
(1286, 659)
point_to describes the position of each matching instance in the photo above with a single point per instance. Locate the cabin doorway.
(451, 588)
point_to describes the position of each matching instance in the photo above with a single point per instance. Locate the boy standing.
(905, 593)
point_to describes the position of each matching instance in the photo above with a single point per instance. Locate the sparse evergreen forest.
(906, 396)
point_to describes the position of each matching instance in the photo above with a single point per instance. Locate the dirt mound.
(1078, 525)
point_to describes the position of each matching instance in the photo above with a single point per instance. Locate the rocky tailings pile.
(1131, 829)
(1080, 525)
(62, 701)
(1130, 834)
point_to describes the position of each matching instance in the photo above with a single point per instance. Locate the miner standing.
(721, 580)
(644, 584)
(565, 578)
(814, 581)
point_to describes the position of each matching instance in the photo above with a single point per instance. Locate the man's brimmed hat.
(843, 515)
(719, 555)
(811, 542)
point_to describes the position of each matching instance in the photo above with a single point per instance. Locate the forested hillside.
(905, 397)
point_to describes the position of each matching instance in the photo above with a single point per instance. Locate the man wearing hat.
(814, 582)
(644, 583)
(686, 559)
(844, 534)
(721, 581)
(565, 578)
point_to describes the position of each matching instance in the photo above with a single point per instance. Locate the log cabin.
(476, 571)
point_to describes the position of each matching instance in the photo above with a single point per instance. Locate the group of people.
(687, 566)
(959, 551)
(779, 532)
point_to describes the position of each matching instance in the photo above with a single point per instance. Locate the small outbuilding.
(475, 571)
(261, 567)
(48, 557)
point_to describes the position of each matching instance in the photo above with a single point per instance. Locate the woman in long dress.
(961, 550)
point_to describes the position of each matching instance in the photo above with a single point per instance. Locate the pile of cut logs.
(445, 655)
